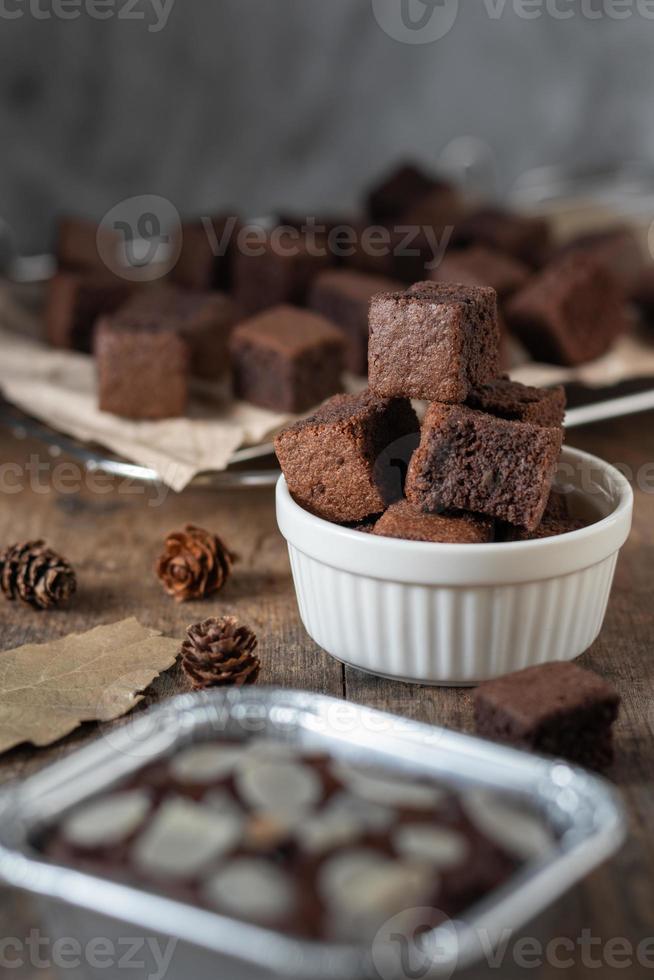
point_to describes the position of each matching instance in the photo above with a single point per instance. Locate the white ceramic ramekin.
(460, 613)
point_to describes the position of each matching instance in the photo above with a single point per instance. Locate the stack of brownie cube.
(479, 468)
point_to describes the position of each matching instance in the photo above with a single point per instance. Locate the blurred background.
(254, 105)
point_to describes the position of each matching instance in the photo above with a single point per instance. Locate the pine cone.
(220, 651)
(36, 574)
(194, 564)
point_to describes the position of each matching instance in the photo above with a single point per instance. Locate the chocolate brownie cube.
(436, 342)
(397, 252)
(142, 373)
(77, 246)
(343, 296)
(345, 462)
(570, 313)
(403, 520)
(481, 266)
(277, 267)
(471, 461)
(74, 302)
(399, 191)
(287, 359)
(617, 249)
(206, 253)
(526, 238)
(508, 399)
(555, 709)
(205, 320)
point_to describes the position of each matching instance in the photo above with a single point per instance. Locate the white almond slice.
(107, 821)
(205, 763)
(326, 831)
(279, 787)
(372, 816)
(183, 838)
(440, 846)
(253, 889)
(338, 873)
(221, 801)
(377, 787)
(520, 833)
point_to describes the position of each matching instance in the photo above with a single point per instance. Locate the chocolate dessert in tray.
(481, 466)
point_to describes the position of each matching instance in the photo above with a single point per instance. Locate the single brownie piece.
(475, 462)
(343, 296)
(76, 246)
(400, 190)
(526, 238)
(508, 399)
(337, 463)
(278, 269)
(397, 252)
(206, 253)
(142, 373)
(287, 359)
(555, 709)
(481, 266)
(205, 320)
(569, 314)
(435, 342)
(618, 249)
(73, 304)
(403, 520)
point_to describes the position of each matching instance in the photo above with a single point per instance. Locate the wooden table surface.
(112, 539)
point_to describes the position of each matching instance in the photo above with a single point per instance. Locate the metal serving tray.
(582, 810)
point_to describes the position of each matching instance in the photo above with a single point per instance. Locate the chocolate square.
(206, 253)
(277, 269)
(555, 709)
(287, 359)
(569, 314)
(75, 301)
(434, 342)
(344, 463)
(343, 296)
(475, 462)
(142, 373)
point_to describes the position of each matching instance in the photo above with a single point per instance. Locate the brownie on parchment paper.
(435, 342)
(143, 373)
(555, 709)
(287, 359)
(337, 462)
(403, 520)
(569, 314)
(74, 302)
(468, 460)
(343, 296)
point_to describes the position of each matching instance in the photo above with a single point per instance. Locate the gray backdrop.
(263, 103)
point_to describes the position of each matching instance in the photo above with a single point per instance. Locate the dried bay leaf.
(47, 690)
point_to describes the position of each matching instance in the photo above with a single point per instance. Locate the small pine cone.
(36, 574)
(195, 564)
(220, 651)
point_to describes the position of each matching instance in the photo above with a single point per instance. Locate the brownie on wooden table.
(570, 313)
(75, 301)
(508, 399)
(205, 320)
(403, 520)
(287, 359)
(142, 373)
(333, 461)
(555, 709)
(343, 296)
(278, 269)
(526, 238)
(435, 341)
(481, 266)
(468, 460)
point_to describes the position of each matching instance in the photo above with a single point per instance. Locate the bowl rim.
(493, 563)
